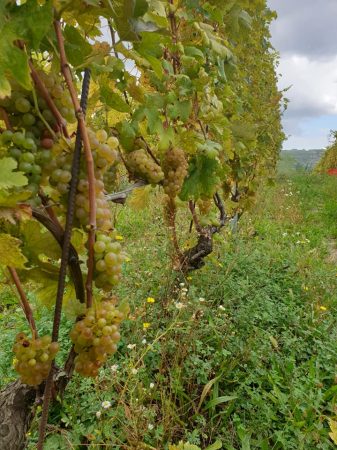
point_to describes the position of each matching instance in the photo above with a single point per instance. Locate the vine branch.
(88, 156)
(24, 301)
(64, 258)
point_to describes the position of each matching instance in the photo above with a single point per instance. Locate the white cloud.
(305, 33)
(313, 85)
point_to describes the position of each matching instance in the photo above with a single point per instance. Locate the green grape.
(15, 152)
(29, 144)
(48, 115)
(19, 138)
(101, 135)
(28, 119)
(28, 157)
(6, 136)
(25, 167)
(36, 169)
(22, 105)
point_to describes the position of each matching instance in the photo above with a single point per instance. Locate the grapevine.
(198, 119)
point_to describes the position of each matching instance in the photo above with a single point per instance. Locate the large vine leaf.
(38, 242)
(32, 21)
(10, 253)
(203, 178)
(9, 178)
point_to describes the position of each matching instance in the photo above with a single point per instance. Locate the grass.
(247, 356)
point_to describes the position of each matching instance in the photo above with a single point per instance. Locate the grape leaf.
(11, 198)
(77, 48)
(8, 178)
(113, 100)
(140, 198)
(202, 179)
(10, 253)
(13, 61)
(38, 242)
(31, 21)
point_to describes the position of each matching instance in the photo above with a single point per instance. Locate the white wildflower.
(114, 368)
(182, 285)
(179, 305)
(144, 341)
(106, 404)
(98, 414)
(201, 299)
(151, 385)
(131, 346)
(134, 371)
(150, 426)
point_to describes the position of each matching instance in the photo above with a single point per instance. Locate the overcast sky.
(305, 34)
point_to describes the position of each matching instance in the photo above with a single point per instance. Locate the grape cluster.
(142, 165)
(30, 153)
(22, 111)
(95, 337)
(175, 168)
(109, 258)
(60, 96)
(105, 155)
(34, 358)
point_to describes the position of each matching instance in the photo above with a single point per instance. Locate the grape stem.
(88, 156)
(23, 301)
(45, 93)
(47, 97)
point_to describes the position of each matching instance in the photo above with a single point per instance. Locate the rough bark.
(16, 413)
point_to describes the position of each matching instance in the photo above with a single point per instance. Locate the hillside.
(303, 158)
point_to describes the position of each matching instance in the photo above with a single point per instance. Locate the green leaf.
(32, 22)
(217, 444)
(113, 100)
(219, 400)
(202, 179)
(193, 51)
(141, 7)
(10, 199)
(127, 136)
(77, 48)
(180, 110)
(10, 253)
(13, 61)
(8, 178)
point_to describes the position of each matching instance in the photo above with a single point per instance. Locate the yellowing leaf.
(140, 197)
(39, 242)
(10, 253)
(333, 428)
(8, 178)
